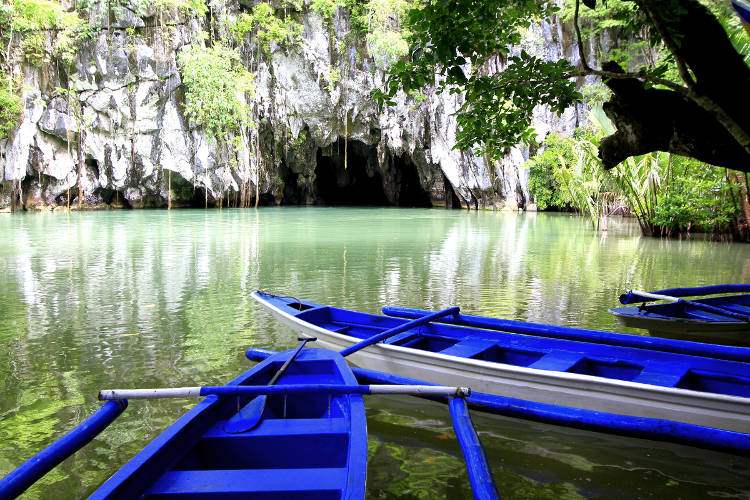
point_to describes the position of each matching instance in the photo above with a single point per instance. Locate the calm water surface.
(153, 298)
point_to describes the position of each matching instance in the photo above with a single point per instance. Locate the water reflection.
(154, 298)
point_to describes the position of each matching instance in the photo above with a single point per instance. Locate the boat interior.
(305, 436)
(585, 358)
(739, 304)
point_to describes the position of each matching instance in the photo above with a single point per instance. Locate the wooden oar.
(398, 329)
(279, 390)
(627, 298)
(249, 415)
(40, 464)
(698, 305)
(480, 475)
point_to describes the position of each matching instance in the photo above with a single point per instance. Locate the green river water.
(98, 300)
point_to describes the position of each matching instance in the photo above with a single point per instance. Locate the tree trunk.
(663, 120)
(13, 195)
(710, 121)
(81, 167)
(169, 190)
(257, 167)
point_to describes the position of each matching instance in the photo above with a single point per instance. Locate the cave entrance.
(185, 194)
(92, 165)
(358, 184)
(295, 188)
(361, 182)
(410, 193)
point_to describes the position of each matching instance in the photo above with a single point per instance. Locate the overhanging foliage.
(702, 111)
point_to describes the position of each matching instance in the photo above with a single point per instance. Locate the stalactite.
(67, 129)
(346, 119)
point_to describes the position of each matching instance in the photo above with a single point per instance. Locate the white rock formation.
(128, 102)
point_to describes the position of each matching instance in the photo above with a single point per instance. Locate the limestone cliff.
(122, 131)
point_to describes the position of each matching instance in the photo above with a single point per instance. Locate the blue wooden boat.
(624, 425)
(723, 319)
(633, 381)
(307, 444)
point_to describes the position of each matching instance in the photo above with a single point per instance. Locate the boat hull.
(562, 388)
(729, 332)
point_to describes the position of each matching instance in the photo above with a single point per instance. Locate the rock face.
(121, 135)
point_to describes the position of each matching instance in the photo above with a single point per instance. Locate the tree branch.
(581, 54)
(670, 44)
(690, 91)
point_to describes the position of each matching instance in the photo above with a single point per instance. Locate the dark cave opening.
(358, 184)
(411, 193)
(295, 192)
(192, 197)
(451, 198)
(93, 165)
(185, 194)
(113, 197)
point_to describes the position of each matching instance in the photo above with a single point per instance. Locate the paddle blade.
(247, 418)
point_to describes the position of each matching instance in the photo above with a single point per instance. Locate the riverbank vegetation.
(670, 195)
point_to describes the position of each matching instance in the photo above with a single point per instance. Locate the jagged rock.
(58, 123)
(143, 62)
(318, 139)
(126, 18)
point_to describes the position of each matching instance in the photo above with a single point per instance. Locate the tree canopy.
(215, 83)
(691, 100)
